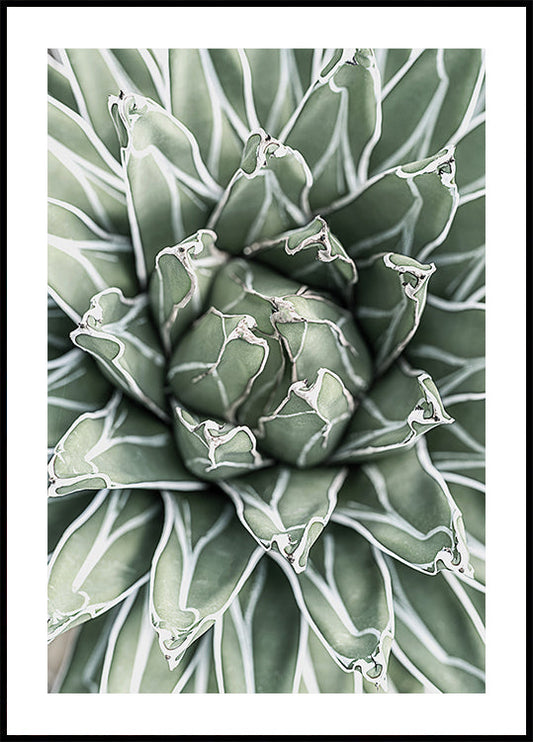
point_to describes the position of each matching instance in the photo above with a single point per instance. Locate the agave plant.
(266, 368)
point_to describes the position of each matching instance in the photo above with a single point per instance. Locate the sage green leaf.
(426, 103)
(337, 123)
(212, 449)
(267, 195)
(83, 259)
(59, 84)
(309, 421)
(438, 629)
(470, 156)
(390, 317)
(257, 645)
(400, 407)
(450, 344)
(199, 101)
(102, 557)
(181, 282)
(345, 594)
(81, 668)
(390, 61)
(62, 511)
(407, 210)
(313, 330)
(286, 509)
(460, 259)
(321, 674)
(59, 328)
(71, 137)
(216, 364)
(69, 182)
(138, 72)
(405, 678)
(202, 561)
(98, 75)
(133, 661)
(74, 386)
(402, 504)
(277, 85)
(169, 189)
(117, 446)
(310, 254)
(119, 334)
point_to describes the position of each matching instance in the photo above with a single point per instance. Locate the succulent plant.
(266, 370)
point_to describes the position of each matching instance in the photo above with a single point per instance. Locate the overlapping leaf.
(402, 504)
(102, 556)
(74, 386)
(428, 99)
(133, 661)
(337, 123)
(398, 409)
(439, 633)
(181, 282)
(202, 560)
(170, 192)
(345, 595)
(407, 210)
(257, 642)
(268, 194)
(117, 446)
(389, 318)
(286, 509)
(118, 333)
(83, 259)
(310, 254)
(214, 449)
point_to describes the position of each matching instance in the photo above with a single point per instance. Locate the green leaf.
(310, 254)
(427, 103)
(97, 75)
(439, 630)
(407, 210)
(470, 156)
(71, 183)
(286, 509)
(118, 446)
(102, 556)
(400, 407)
(460, 259)
(59, 84)
(181, 283)
(306, 426)
(74, 386)
(81, 668)
(215, 450)
(217, 362)
(169, 189)
(257, 642)
(138, 71)
(402, 504)
(346, 597)
(62, 511)
(119, 334)
(199, 101)
(267, 195)
(389, 317)
(201, 563)
(83, 259)
(321, 674)
(133, 661)
(59, 328)
(336, 125)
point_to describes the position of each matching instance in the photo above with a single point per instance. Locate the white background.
(30, 31)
